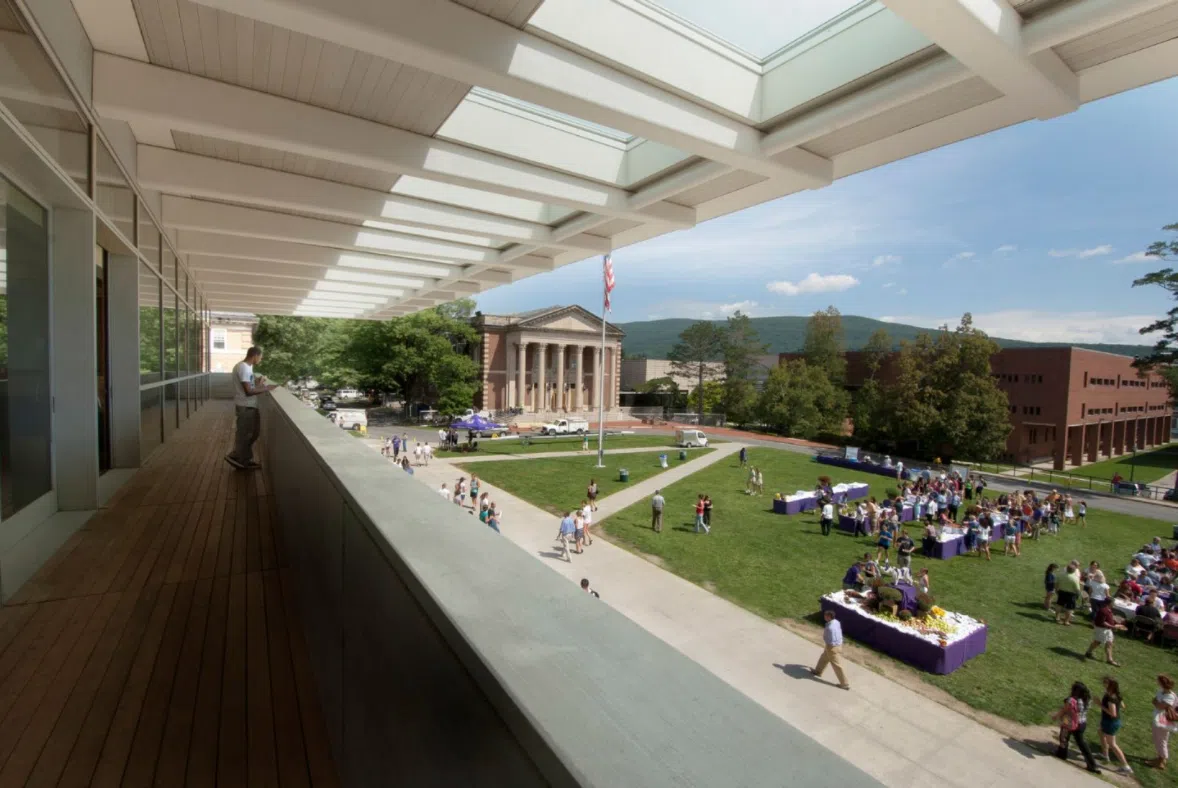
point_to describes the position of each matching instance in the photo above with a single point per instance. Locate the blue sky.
(1034, 229)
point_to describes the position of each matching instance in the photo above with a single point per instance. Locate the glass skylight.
(759, 27)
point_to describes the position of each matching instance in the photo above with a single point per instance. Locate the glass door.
(102, 372)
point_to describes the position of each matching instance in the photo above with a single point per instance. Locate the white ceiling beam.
(128, 90)
(209, 243)
(986, 37)
(460, 43)
(203, 176)
(186, 214)
(208, 268)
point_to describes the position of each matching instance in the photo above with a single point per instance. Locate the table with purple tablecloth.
(847, 524)
(909, 648)
(949, 548)
(784, 506)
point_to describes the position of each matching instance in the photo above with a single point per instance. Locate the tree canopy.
(699, 346)
(1164, 355)
(422, 357)
(800, 399)
(742, 351)
(826, 344)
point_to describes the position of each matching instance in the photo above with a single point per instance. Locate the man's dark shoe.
(234, 462)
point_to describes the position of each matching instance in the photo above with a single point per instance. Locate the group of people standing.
(576, 528)
(397, 445)
(1072, 718)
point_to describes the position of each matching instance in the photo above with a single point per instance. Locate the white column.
(593, 393)
(521, 366)
(75, 417)
(560, 377)
(579, 373)
(541, 399)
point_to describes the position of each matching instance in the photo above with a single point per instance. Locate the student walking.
(1073, 722)
(1049, 585)
(245, 405)
(417, 453)
(587, 518)
(474, 490)
(1165, 721)
(708, 511)
(1112, 709)
(1082, 513)
(567, 532)
(657, 504)
(1104, 623)
(591, 493)
(832, 650)
(744, 456)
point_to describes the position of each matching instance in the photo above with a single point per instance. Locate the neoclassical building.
(545, 361)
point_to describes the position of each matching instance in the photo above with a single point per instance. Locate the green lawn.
(778, 566)
(541, 445)
(1147, 466)
(558, 484)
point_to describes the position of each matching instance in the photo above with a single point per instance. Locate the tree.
(1164, 355)
(425, 356)
(800, 400)
(742, 348)
(700, 345)
(658, 386)
(825, 344)
(293, 347)
(876, 351)
(713, 393)
(944, 397)
(869, 404)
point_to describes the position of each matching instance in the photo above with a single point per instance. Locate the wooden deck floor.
(158, 646)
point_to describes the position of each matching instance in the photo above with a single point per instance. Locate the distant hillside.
(785, 334)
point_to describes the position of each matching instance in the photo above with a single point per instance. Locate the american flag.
(609, 279)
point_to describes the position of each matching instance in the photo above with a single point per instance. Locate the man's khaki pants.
(249, 424)
(656, 519)
(833, 656)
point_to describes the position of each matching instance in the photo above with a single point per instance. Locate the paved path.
(927, 744)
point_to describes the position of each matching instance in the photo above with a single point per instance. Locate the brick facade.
(1067, 405)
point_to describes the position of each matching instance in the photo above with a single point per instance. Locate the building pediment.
(570, 318)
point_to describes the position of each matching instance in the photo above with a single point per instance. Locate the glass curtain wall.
(150, 358)
(25, 403)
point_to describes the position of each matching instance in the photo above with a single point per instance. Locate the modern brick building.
(1067, 404)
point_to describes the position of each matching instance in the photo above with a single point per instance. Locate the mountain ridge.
(786, 334)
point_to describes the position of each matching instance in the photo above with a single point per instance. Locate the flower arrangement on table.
(929, 621)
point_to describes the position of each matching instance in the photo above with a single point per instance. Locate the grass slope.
(787, 333)
(1147, 466)
(558, 484)
(542, 445)
(778, 567)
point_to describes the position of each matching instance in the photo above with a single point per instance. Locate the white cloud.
(814, 283)
(1036, 326)
(740, 306)
(1006, 249)
(889, 284)
(1136, 257)
(902, 291)
(884, 259)
(1095, 251)
(959, 257)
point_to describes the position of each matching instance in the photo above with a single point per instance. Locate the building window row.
(1010, 377)
(1031, 410)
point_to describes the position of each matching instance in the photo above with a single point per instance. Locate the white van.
(348, 394)
(690, 438)
(350, 418)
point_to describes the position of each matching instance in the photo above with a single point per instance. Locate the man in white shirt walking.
(827, 517)
(832, 652)
(245, 401)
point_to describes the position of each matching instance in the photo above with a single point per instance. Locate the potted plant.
(890, 599)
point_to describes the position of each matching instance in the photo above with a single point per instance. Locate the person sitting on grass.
(1134, 569)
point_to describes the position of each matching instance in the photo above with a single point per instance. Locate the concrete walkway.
(896, 735)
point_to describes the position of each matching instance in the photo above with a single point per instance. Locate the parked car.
(327, 403)
(565, 427)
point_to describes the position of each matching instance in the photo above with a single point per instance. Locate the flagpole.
(601, 375)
